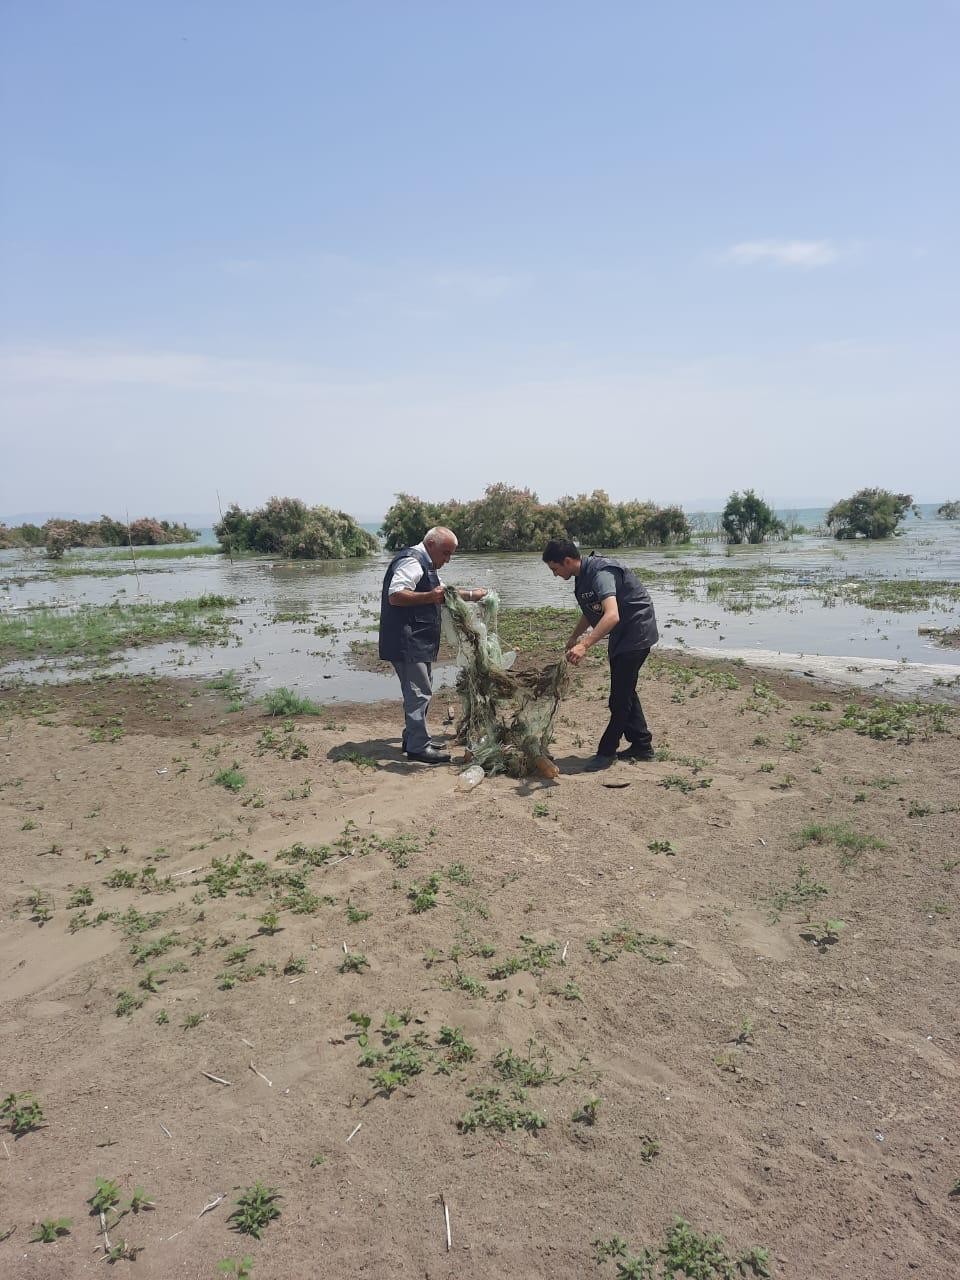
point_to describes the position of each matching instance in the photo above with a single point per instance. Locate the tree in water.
(870, 513)
(749, 519)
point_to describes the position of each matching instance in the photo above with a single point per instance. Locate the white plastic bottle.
(470, 778)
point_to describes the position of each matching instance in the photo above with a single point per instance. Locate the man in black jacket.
(410, 602)
(613, 604)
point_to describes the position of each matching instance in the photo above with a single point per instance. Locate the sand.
(786, 1086)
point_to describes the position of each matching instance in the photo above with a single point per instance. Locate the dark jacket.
(599, 578)
(410, 633)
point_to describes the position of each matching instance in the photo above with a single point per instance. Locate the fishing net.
(506, 717)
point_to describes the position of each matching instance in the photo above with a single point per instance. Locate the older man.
(410, 632)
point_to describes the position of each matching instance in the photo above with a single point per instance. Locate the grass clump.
(839, 834)
(94, 631)
(284, 702)
(233, 779)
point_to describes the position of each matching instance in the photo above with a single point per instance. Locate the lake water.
(789, 598)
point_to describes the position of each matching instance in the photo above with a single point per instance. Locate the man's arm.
(611, 616)
(406, 598)
(577, 631)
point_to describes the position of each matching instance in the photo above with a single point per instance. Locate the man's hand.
(576, 653)
(433, 597)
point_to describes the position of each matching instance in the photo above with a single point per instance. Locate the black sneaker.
(596, 763)
(429, 755)
(633, 752)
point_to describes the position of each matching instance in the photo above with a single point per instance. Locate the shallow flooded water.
(296, 620)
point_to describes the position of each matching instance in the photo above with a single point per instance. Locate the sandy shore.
(747, 950)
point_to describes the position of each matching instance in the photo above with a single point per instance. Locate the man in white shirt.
(410, 602)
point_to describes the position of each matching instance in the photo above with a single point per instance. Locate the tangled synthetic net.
(506, 717)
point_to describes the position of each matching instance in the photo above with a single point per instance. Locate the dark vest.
(637, 628)
(410, 633)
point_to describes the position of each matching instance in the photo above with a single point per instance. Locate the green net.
(506, 717)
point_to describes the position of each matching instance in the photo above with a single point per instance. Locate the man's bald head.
(441, 543)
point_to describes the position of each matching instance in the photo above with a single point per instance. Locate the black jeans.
(626, 713)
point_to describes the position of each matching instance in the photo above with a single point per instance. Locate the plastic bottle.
(470, 778)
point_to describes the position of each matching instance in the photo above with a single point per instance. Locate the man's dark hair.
(559, 549)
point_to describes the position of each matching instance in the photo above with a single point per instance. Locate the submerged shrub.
(749, 519)
(512, 519)
(870, 513)
(288, 527)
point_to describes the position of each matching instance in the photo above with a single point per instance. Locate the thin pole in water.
(133, 555)
(220, 505)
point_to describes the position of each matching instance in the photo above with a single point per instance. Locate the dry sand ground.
(830, 1134)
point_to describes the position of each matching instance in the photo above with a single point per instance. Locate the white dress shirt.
(408, 572)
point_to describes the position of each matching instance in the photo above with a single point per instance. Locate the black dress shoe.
(596, 763)
(633, 752)
(429, 755)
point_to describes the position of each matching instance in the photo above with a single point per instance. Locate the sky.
(343, 250)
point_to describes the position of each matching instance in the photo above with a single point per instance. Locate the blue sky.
(343, 249)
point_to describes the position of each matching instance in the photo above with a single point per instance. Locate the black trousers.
(626, 713)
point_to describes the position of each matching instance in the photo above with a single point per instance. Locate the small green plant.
(588, 1111)
(256, 1207)
(162, 1018)
(527, 1072)
(121, 878)
(127, 1002)
(802, 893)
(50, 1229)
(357, 758)
(353, 963)
(41, 906)
(295, 964)
(540, 810)
(140, 1200)
(317, 1160)
(458, 1050)
(491, 1110)
(767, 767)
(614, 942)
(682, 784)
(355, 915)
(744, 1033)
(649, 1148)
(662, 846)
(232, 779)
(242, 1268)
(193, 1020)
(106, 1195)
(824, 935)
(269, 923)
(22, 1112)
(424, 896)
(122, 1251)
(362, 1022)
(82, 897)
(570, 991)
